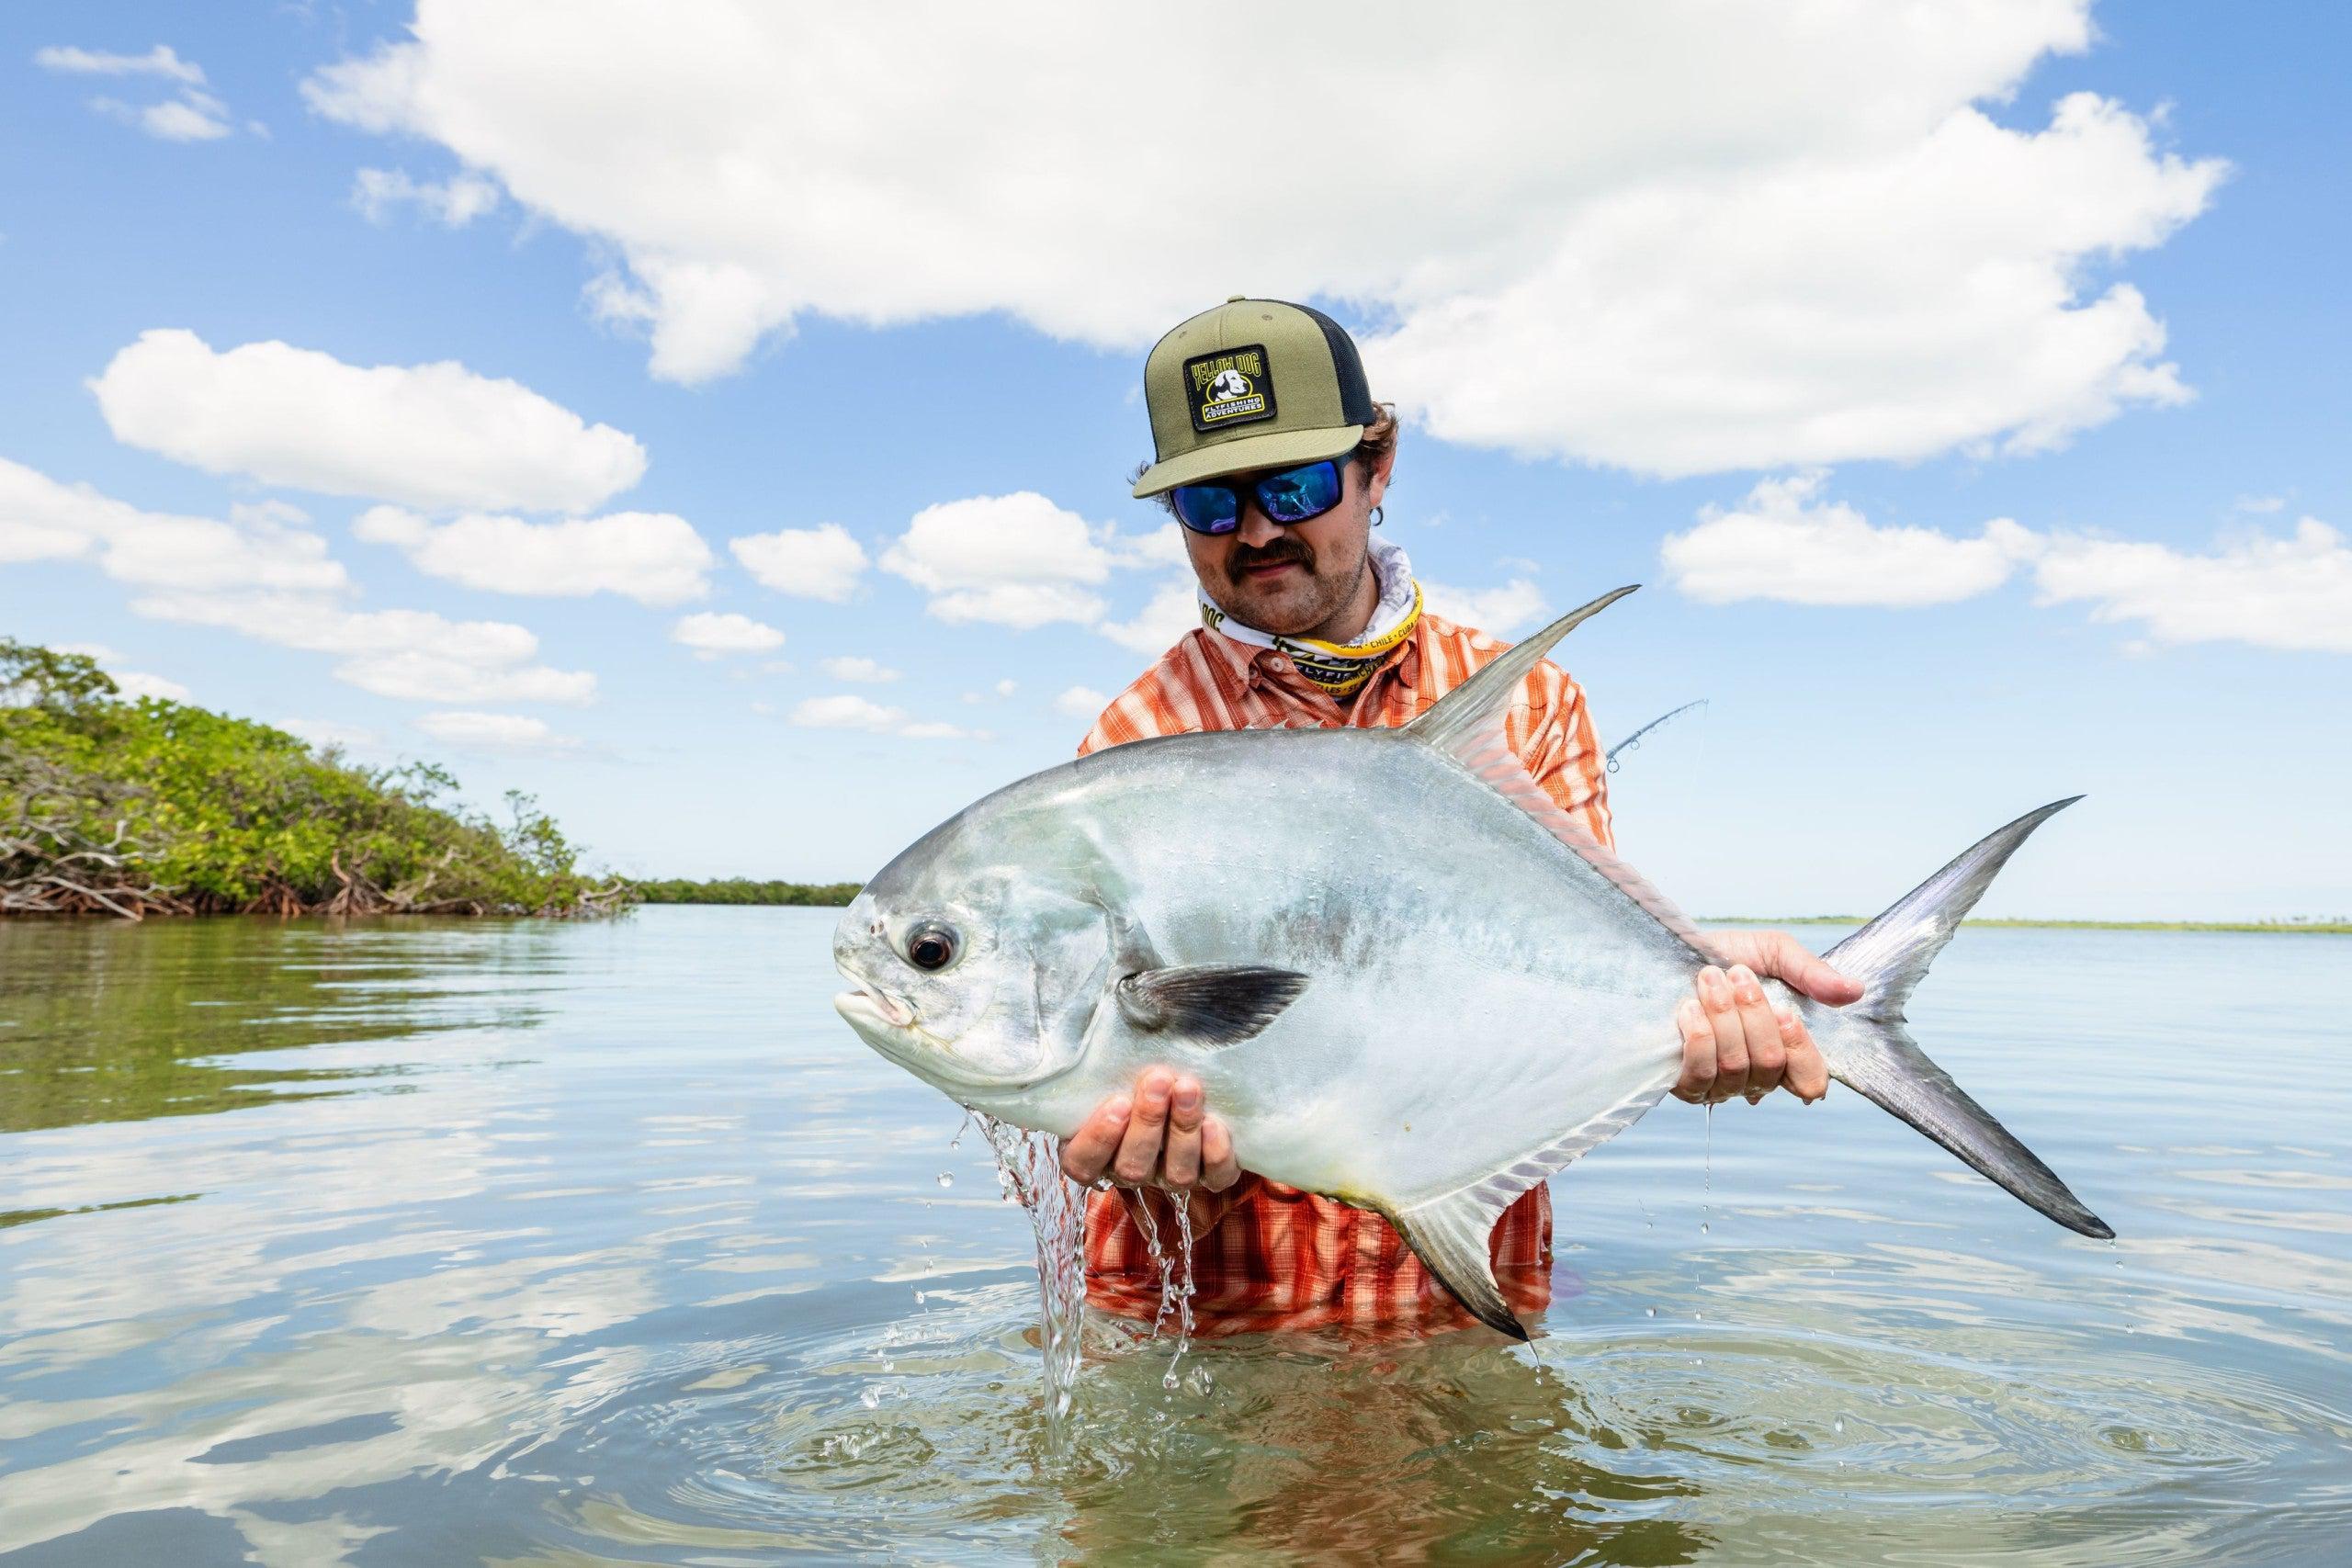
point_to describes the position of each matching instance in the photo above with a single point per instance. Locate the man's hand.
(1161, 1136)
(1735, 1042)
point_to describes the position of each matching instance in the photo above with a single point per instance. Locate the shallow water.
(533, 1243)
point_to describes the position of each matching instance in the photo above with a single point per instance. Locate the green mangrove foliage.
(741, 890)
(160, 807)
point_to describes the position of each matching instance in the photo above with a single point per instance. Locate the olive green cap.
(1252, 384)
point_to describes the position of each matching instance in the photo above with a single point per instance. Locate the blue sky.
(1725, 316)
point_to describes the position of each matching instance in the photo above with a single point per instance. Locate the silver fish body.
(1404, 977)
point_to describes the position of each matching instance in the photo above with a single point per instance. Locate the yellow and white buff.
(1341, 668)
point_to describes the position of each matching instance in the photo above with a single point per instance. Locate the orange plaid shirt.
(1272, 1257)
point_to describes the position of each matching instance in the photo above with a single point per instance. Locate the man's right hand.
(1162, 1135)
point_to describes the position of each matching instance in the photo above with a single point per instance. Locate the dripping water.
(1031, 1174)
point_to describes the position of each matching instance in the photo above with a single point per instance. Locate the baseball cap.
(1252, 384)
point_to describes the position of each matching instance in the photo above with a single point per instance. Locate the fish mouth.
(871, 1001)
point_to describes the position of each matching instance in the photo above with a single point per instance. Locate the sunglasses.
(1294, 495)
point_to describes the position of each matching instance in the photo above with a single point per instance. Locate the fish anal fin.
(1452, 1236)
(1210, 1004)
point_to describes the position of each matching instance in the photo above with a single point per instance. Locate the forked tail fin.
(1868, 1049)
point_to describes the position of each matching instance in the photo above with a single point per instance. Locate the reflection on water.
(526, 1244)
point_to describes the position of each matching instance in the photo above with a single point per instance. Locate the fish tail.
(1869, 1050)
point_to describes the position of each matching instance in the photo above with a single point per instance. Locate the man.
(1272, 455)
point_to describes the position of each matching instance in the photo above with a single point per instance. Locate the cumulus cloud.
(860, 668)
(653, 557)
(427, 436)
(453, 203)
(822, 562)
(161, 60)
(2290, 592)
(509, 733)
(1784, 542)
(194, 115)
(132, 683)
(1013, 560)
(713, 635)
(1503, 611)
(1806, 242)
(846, 710)
(1081, 702)
(1173, 609)
(411, 655)
(257, 547)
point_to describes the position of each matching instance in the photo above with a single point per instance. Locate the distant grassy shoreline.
(2320, 927)
(834, 895)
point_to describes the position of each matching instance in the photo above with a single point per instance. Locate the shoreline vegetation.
(149, 807)
(132, 808)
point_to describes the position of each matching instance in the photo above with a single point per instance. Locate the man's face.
(1292, 580)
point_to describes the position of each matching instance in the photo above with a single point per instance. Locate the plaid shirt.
(1272, 1257)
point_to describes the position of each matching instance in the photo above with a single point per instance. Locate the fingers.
(1139, 1158)
(1730, 1035)
(1180, 1163)
(1781, 957)
(1807, 1074)
(1697, 1080)
(1087, 1152)
(1219, 1168)
(1759, 1030)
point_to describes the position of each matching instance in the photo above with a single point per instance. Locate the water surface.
(528, 1244)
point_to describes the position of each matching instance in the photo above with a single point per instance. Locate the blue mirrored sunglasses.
(1294, 495)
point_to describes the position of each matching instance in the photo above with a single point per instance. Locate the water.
(537, 1245)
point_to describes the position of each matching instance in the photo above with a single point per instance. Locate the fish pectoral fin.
(1212, 1004)
(1452, 1235)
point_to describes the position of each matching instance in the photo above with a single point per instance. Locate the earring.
(1376, 514)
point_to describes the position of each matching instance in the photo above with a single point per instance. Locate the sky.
(714, 419)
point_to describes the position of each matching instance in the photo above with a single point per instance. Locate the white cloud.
(653, 557)
(846, 710)
(1013, 560)
(858, 667)
(194, 116)
(1503, 611)
(1173, 610)
(495, 732)
(132, 683)
(710, 635)
(822, 562)
(161, 60)
(191, 116)
(259, 548)
(1005, 688)
(411, 655)
(2292, 592)
(453, 203)
(430, 436)
(1081, 702)
(322, 733)
(1784, 543)
(1806, 242)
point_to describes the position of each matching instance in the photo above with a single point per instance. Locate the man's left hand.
(1735, 1042)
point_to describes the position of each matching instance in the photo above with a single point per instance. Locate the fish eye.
(933, 945)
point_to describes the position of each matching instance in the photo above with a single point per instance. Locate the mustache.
(1287, 547)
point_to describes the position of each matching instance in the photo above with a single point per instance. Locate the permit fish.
(1405, 977)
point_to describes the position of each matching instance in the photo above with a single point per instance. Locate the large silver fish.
(1404, 977)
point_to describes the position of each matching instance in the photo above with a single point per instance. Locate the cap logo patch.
(1232, 387)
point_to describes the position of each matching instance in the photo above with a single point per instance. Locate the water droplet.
(945, 1179)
